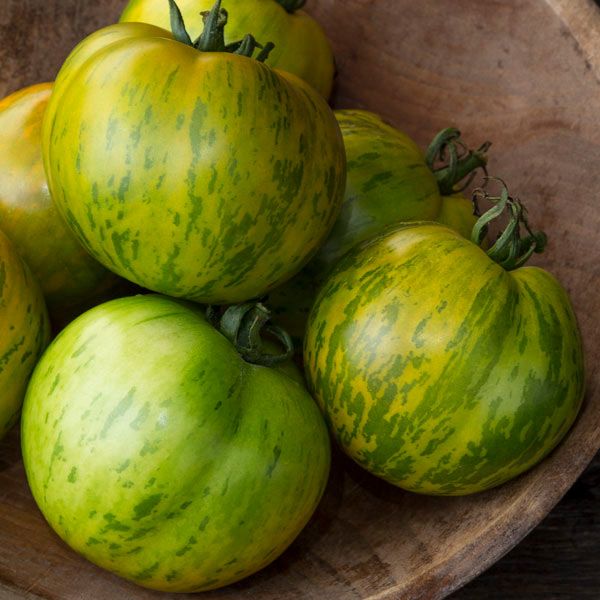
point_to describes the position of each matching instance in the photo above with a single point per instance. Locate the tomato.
(24, 331)
(157, 452)
(216, 191)
(301, 46)
(389, 180)
(439, 369)
(456, 212)
(67, 274)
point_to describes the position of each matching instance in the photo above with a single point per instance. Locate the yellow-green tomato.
(436, 368)
(301, 46)
(24, 331)
(157, 452)
(203, 175)
(67, 274)
(388, 181)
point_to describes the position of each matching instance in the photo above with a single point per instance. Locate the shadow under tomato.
(10, 449)
(308, 554)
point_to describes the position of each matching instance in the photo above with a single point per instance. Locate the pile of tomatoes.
(188, 209)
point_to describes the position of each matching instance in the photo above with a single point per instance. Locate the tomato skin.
(24, 331)
(456, 212)
(149, 170)
(159, 454)
(301, 46)
(387, 182)
(447, 384)
(68, 275)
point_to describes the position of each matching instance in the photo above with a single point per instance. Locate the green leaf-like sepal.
(452, 163)
(178, 25)
(212, 38)
(244, 324)
(510, 250)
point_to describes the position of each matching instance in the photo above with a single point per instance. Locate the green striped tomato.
(301, 46)
(437, 369)
(68, 275)
(388, 181)
(159, 454)
(203, 175)
(24, 331)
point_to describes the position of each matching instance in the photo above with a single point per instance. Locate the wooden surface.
(523, 73)
(558, 560)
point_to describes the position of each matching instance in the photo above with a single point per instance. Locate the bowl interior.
(522, 74)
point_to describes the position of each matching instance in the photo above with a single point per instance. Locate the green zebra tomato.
(437, 369)
(68, 275)
(154, 450)
(198, 174)
(389, 181)
(24, 331)
(301, 46)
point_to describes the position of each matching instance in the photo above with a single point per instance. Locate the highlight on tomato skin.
(443, 368)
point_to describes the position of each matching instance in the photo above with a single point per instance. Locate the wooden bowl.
(523, 73)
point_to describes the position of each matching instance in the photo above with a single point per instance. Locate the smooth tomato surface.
(155, 451)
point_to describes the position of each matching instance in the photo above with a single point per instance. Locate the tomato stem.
(510, 250)
(212, 38)
(292, 5)
(264, 53)
(452, 162)
(244, 324)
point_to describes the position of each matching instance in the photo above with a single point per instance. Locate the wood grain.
(523, 73)
(558, 560)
